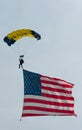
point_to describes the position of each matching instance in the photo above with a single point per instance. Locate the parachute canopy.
(12, 37)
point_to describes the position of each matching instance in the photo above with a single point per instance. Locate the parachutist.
(21, 62)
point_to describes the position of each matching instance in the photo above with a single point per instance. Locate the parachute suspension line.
(13, 50)
(19, 49)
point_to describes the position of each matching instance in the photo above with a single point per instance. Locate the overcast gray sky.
(57, 54)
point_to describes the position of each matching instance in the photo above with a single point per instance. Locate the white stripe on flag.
(59, 81)
(46, 113)
(48, 99)
(55, 86)
(56, 93)
(47, 106)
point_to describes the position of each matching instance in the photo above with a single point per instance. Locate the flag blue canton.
(32, 85)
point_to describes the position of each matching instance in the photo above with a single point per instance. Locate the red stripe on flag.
(56, 90)
(47, 109)
(55, 83)
(26, 100)
(31, 114)
(57, 80)
(57, 96)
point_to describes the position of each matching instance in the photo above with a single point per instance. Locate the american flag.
(46, 96)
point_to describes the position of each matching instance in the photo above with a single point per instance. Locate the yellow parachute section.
(12, 37)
